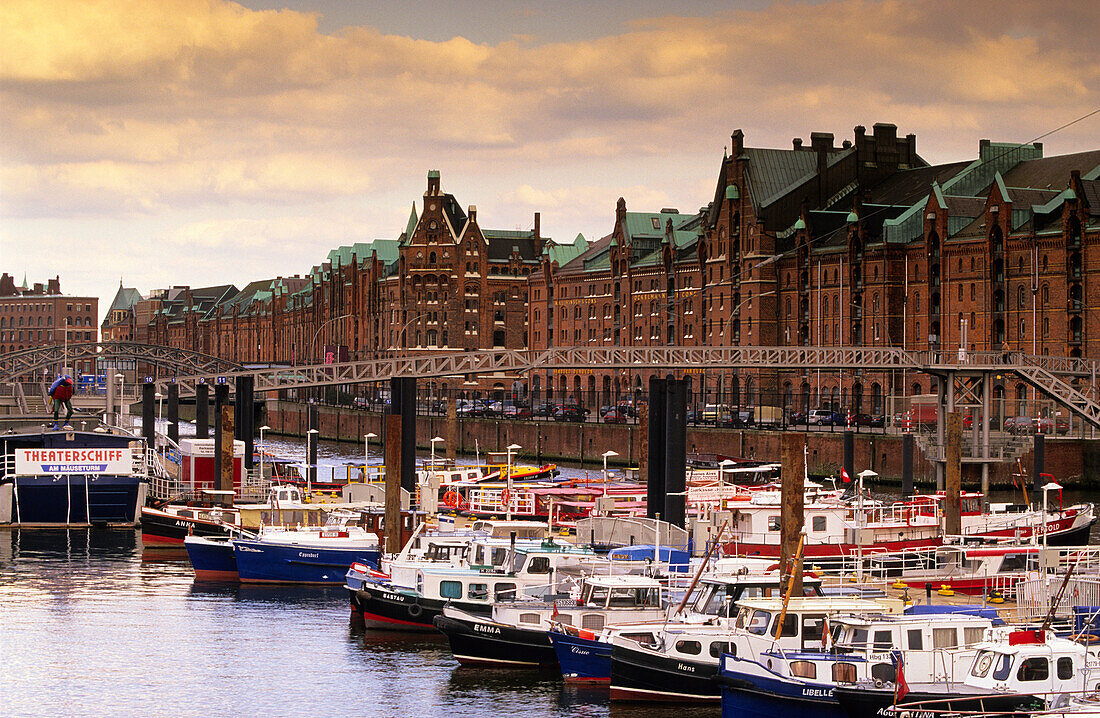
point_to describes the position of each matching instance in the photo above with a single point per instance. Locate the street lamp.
(160, 407)
(263, 428)
(434, 440)
(311, 439)
(1049, 486)
(313, 341)
(511, 448)
(366, 454)
(605, 455)
(121, 396)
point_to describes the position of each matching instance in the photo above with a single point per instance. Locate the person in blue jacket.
(61, 392)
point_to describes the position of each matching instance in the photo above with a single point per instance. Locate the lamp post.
(1049, 486)
(121, 396)
(605, 455)
(263, 428)
(313, 341)
(435, 439)
(366, 454)
(511, 448)
(311, 439)
(160, 407)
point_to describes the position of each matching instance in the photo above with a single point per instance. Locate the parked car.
(626, 408)
(692, 416)
(512, 411)
(716, 414)
(821, 417)
(615, 416)
(871, 420)
(798, 417)
(570, 412)
(1020, 425)
(1061, 424)
(361, 402)
(544, 410)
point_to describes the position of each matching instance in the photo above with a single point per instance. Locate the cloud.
(187, 109)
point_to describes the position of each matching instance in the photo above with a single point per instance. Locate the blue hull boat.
(212, 558)
(751, 691)
(259, 561)
(58, 479)
(582, 658)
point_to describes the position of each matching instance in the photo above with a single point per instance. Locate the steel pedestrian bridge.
(1066, 380)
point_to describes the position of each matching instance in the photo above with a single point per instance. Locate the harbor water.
(93, 624)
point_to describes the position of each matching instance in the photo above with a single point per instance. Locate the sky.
(202, 142)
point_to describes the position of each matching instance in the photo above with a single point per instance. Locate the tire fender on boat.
(415, 610)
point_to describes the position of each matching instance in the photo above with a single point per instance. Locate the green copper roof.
(732, 192)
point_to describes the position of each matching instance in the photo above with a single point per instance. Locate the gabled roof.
(565, 253)
(772, 173)
(125, 298)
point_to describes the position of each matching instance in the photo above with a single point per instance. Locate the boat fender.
(878, 683)
(415, 610)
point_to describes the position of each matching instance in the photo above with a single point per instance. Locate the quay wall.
(1072, 462)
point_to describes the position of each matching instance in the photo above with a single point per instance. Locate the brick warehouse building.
(859, 244)
(41, 316)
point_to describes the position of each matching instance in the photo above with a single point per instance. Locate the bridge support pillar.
(953, 475)
(906, 465)
(655, 460)
(676, 451)
(202, 411)
(174, 412)
(849, 454)
(451, 433)
(1038, 462)
(245, 415)
(987, 399)
(223, 439)
(313, 433)
(793, 499)
(149, 414)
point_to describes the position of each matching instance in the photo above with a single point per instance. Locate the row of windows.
(43, 335)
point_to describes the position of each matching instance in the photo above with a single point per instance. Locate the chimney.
(473, 213)
(821, 141)
(433, 182)
(737, 143)
(538, 227)
(797, 142)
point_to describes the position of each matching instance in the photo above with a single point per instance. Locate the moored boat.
(306, 555)
(72, 478)
(212, 558)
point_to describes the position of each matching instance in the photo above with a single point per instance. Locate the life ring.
(415, 610)
(505, 498)
(452, 499)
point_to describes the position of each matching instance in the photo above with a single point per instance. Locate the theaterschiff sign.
(72, 461)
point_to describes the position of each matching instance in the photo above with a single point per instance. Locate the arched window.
(1046, 293)
(1020, 297)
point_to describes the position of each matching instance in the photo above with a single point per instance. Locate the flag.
(844, 475)
(901, 688)
(825, 637)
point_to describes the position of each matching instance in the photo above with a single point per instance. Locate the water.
(93, 625)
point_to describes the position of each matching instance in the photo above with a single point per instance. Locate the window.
(758, 622)
(813, 628)
(478, 592)
(916, 640)
(982, 664)
(717, 648)
(790, 626)
(944, 638)
(773, 523)
(450, 589)
(691, 648)
(532, 618)
(1065, 668)
(539, 564)
(803, 669)
(884, 672)
(818, 523)
(1003, 666)
(593, 622)
(504, 591)
(883, 640)
(844, 672)
(973, 634)
(1035, 668)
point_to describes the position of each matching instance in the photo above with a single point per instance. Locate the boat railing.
(493, 501)
(1035, 593)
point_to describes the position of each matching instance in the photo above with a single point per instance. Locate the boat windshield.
(758, 622)
(982, 663)
(712, 601)
(517, 562)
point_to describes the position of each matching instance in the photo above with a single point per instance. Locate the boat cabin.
(1033, 662)
(804, 619)
(718, 595)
